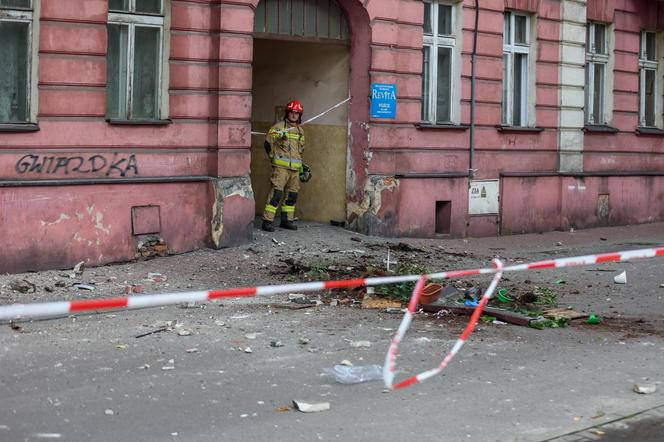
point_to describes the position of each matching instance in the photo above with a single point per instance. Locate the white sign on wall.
(484, 197)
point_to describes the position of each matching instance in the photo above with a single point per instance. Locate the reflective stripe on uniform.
(270, 208)
(288, 209)
(286, 162)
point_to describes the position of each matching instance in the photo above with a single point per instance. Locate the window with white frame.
(438, 62)
(134, 61)
(16, 70)
(648, 67)
(516, 51)
(597, 60)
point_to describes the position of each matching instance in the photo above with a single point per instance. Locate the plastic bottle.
(355, 374)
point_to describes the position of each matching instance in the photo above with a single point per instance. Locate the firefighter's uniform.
(286, 140)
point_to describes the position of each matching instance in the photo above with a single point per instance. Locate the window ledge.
(520, 129)
(600, 128)
(649, 131)
(139, 122)
(429, 126)
(19, 127)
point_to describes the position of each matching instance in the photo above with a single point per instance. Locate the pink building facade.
(126, 125)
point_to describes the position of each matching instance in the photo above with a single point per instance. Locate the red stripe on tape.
(542, 265)
(232, 293)
(97, 304)
(406, 383)
(608, 257)
(348, 283)
(459, 273)
(659, 252)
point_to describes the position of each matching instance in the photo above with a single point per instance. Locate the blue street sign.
(383, 100)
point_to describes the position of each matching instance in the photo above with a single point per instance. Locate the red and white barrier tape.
(325, 112)
(49, 309)
(389, 369)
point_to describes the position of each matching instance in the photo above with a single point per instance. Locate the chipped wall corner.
(376, 212)
(232, 212)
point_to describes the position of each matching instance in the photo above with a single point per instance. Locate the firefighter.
(284, 145)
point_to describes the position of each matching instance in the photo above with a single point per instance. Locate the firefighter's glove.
(268, 148)
(305, 173)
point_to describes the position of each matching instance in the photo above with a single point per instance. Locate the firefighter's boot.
(267, 226)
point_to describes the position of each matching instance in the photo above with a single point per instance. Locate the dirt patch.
(629, 328)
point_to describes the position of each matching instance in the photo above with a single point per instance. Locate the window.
(134, 63)
(648, 66)
(597, 60)
(16, 69)
(438, 67)
(516, 51)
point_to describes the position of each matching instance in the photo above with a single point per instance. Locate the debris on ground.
(159, 330)
(593, 319)
(79, 268)
(156, 277)
(23, 286)
(621, 278)
(306, 407)
(376, 302)
(349, 374)
(275, 343)
(360, 344)
(645, 388)
(81, 286)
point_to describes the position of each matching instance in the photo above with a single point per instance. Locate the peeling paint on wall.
(363, 215)
(63, 217)
(225, 188)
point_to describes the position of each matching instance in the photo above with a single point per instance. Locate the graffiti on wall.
(119, 165)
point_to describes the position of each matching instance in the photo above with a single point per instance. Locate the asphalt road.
(90, 377)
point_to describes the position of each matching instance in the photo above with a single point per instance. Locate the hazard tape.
(325, 112)
(54, 309)
(389, 368)
(50, 309)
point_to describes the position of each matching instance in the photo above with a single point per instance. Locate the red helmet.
(295, 106)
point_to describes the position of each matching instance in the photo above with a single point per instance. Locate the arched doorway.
(302, 50)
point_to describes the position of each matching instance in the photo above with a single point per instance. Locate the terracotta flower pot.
(430, 293)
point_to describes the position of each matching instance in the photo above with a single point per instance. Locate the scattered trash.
(593, 319)
(283, 408)
(597, 431)
(159, 330)
(661, 286)
(121, 346)
(346, 362)
(248, 350)
(360, 344)
(14, 326)
(503, 296)
(276, 344)
(82, 286)
(23, 286)
(469, 303)
(430, 293)
(497, 322)
(184, 333)
(556, 313)
(274, 240)
(168, 367)
(375, 302)
(305, 407)
(134, 288)
(394, 311)
(109, 412)
(559, 243)
(144, 367)
(487, 319)
(645, 388)
(303, 341)
(348, 374)
(297, 297)
(191, 350)
(79, 268)
(559, 281)
(251, 336)
(157, 277)
(620, 279)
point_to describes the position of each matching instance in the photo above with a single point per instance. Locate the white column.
(572, 82)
